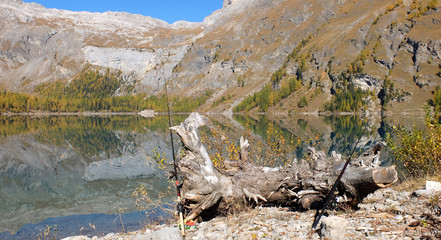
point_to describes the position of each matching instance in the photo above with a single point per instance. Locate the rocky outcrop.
(367, 83)
(148, 66)
(423, 51)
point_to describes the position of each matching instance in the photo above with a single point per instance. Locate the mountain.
(389, 49)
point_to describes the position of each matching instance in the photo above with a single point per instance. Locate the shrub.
(241, 81)
(220, 147)
(377, 43)
(394, 5)
(376, 19)
(277, 76)
(247, 104)
(413, 5)
(273, 148)
(417, 151)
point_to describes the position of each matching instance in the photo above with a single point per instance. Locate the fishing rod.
(331, 193)
(179, 206)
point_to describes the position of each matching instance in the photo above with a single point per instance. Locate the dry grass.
(413, 184)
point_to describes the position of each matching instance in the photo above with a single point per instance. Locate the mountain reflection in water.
(67, 170)
(68, 165)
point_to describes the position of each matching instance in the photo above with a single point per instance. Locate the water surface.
(60, 166)
(75, 172)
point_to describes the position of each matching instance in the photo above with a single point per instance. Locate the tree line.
(347, 97)
(93, 91)
(269, 96)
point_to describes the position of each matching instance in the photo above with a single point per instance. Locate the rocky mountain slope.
(235, 50)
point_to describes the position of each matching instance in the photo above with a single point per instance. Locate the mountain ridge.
(235, 51)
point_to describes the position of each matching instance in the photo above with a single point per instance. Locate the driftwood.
(207, 191)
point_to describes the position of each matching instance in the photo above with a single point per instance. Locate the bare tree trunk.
(206, 191)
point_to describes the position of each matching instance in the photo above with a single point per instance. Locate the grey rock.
(385, 62)
(432, 188)
(399, 217)
(423, 51)
(170, 233)
(434, 48)
(77, 238)
(227, 2)
(367, 83)
(333, 227)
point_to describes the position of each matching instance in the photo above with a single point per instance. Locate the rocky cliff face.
(40, 45)
(234, 51)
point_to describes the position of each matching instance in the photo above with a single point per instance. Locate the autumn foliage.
(92, 90)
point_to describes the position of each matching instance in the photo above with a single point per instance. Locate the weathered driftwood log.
(206, 191)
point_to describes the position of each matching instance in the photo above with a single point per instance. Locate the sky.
(167, 10)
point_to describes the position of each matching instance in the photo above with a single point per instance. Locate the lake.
(77, 173)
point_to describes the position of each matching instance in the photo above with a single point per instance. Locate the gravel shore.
(385, 214)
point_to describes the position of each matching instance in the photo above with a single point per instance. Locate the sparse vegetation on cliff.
(281, 84)
(417, 10)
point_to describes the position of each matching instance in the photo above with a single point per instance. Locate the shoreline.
(69, 114)
(44, 114)
(87, 113)
(384, 214)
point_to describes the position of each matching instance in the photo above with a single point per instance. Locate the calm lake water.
(78, 173)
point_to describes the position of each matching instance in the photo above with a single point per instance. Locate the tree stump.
(207, 191)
